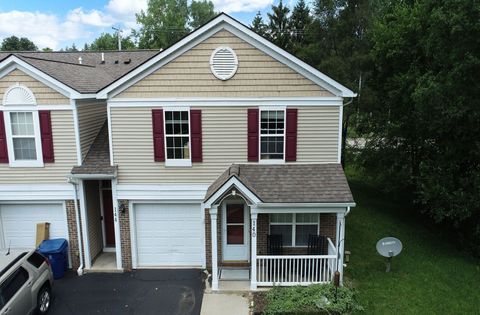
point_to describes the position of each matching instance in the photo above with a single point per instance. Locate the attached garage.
(167, 235)
(19, 221)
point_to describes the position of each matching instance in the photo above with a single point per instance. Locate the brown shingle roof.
(97, 160)
(290, 183)
(90, 76)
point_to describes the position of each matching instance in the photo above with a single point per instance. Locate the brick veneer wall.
(208, 238)
(72, 234)
(125, 240)
(262, 232)
(328, 225)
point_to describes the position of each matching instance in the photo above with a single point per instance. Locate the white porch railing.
(288, 270)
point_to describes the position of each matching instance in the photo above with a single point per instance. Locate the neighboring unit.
(221, 152)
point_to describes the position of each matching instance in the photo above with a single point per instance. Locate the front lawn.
(429, 277)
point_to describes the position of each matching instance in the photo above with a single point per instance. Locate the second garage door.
(19, 222)
(168, 235)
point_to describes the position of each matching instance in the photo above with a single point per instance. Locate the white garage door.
(19, 223)
(168, 235)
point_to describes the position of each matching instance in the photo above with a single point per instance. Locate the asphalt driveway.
(169, 292)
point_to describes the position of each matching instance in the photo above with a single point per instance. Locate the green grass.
(430, 276)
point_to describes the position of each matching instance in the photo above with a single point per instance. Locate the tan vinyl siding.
(317, 134)
(65, 156)
(91, 117)
(44, 94)
(258, 75)
(95, 237)
(224, 142)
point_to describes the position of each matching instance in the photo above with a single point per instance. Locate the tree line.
(415, 66)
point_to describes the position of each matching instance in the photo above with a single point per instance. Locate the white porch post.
(253, 260)
(340, 242)
(213, 226)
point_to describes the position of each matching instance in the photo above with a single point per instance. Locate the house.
(219, 152)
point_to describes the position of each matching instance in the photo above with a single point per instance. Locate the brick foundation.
(125, 240)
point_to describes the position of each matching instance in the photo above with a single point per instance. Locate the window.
(23, 134)
(272, 134)
(294, 227)
(177, 137)
(36, 259)
(12, 284)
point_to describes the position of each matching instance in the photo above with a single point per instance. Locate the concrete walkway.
(222, 303)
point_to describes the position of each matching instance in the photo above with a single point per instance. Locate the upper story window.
(272, 135)
(22, 127)
(177, 138)
(23, 136)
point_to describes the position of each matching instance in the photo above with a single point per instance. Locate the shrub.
(313, 299)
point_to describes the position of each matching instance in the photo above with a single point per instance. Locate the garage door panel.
(19, 222)
(168, 235)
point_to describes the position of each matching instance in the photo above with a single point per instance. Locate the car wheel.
(43, 300)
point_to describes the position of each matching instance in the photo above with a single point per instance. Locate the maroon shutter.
(196, 134)
(253, 134)
(46, 135)
(291, 135)
(158, 142)
(3, 141)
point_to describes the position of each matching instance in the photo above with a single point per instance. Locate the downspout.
(77, 216)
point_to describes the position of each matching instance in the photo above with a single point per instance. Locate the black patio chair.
(274, 244)
(317, 245)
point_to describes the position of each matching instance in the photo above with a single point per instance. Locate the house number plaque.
(254, 228)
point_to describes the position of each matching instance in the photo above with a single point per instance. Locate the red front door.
(108, 217)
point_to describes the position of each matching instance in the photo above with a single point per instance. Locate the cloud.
(92, 18)
(79, 26)
(45, 30)
(125, 8)
(230, 6)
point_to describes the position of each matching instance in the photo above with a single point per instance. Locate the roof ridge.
(58, 61)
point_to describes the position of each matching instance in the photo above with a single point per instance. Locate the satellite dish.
(389, 247)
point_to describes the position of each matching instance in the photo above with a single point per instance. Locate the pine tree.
(258, 26)
(301, 21)
(278, 25)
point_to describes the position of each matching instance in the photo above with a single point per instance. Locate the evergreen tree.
(258, 26)
(301, 21)
(278, 26)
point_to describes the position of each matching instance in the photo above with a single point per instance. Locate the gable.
(43, 94)
(258, 75)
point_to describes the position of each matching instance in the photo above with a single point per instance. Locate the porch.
(284, 243)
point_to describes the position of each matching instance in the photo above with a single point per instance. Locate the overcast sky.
(60, 23)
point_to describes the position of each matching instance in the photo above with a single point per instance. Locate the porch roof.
(289, 183)
(97, 160)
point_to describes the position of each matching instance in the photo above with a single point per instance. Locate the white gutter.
(77, 217)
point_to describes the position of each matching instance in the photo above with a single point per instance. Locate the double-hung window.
(24, 138)
(272, 135)
(294, 227)
(177, 138)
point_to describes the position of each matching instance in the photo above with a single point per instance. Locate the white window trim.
(177, 162)
(38, 141)
(294, 224)
(272, 108)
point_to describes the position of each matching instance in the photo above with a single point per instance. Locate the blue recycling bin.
(56, 252)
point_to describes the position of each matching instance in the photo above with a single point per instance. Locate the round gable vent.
(223, 63)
